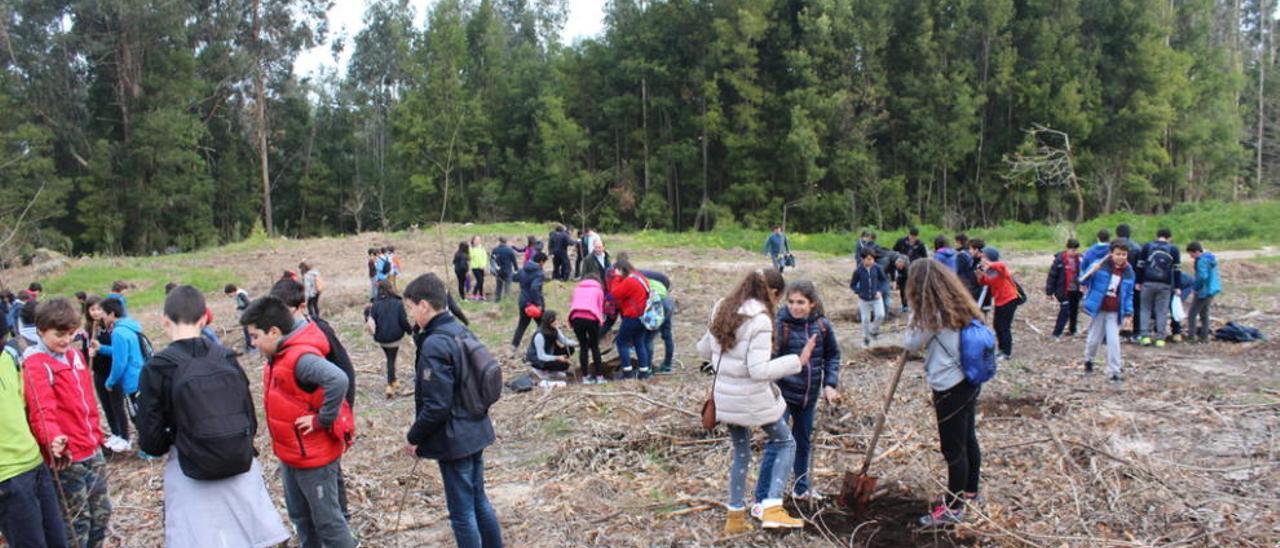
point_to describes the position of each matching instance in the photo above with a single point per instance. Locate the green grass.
(149, 277)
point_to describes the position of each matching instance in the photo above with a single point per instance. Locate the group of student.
(472, 262)
(384, 264)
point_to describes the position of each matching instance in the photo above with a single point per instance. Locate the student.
(558, 244)
(118, 289)
(387, 322)
(112, 400)
(373, 273)
(504, 258)
(777, 247)
(1157, 272)
(895, 273)
(532, 247)
(1063, 285)
(802, 318)
(911, 246)
(394, 259)
(462, 268)
(63, 417)
(965, 266)
(530, 278)
(549, 349)
(586, 315)
(1096, 252)
(1108, 300)
(479, 264)
(981, 294)
(941, 311)
(1123, 232)
(214, 492)
(29, 511)
(660, 284)
(241, 298)
(580, 251)
(1206, 286)
(1004, 294)
(943, 253)
(631, 291)
(9, 309)
(28, 336)
(866, 241)
(125, 351)
(869, 282)
(314, 286)
(442, 429)
(309, 430)
(739, 342)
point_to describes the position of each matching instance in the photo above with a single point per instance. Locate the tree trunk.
(644, 115)
(260, 93)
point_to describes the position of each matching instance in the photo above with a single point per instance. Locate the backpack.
(654, 315)
(11, 348)
(386, 265)
(479, 376)
(213, 416)
(338, 356)
(977, 352)
(144, 345)
(1159, 265)
(1234, 332)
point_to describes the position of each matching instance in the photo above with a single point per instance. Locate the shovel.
(856, 490)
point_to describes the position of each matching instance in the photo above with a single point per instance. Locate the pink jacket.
(588, 301)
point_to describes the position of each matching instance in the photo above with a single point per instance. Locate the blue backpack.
(978, 352)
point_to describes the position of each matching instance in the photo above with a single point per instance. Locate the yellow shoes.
(736, 522)
(776, 517)
(393, 389)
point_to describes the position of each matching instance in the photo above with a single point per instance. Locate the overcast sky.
(585, 19)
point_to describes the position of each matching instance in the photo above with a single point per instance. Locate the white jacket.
(745, 394)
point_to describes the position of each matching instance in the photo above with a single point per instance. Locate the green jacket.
(18, 451)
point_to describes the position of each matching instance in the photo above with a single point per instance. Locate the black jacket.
(338, 356)
(912, 251)
(441, 429)
(965, 271)
(1056, 284)
(155, 419)
(591, 264)
(390, 324)
(531, 278)
(558, 242)
(505, 259)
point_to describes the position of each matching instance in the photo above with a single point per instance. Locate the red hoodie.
(60, 402)
(1001, 283)
(631, 294)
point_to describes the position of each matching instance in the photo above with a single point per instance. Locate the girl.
(462, 264)
(550, 349)
(941, 307)
(801, 319)
(479, 264)
(1004, 293)
(112, 400)
(739, 344)
(631, 291)
(385, 319)
(586, 315)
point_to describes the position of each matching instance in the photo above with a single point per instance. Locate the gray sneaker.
(941, 515)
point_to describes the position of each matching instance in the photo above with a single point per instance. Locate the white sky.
(585, 19)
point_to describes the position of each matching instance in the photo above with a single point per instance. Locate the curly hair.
(937, 298)
(759, 285)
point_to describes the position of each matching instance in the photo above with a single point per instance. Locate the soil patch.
(887, 521)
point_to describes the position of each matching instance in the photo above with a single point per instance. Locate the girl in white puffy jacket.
(739, 342)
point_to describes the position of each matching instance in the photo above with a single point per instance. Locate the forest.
(147, 126)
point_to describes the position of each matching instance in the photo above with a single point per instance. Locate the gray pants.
(312, 498)
(1199, 313)
(1104, 326)
(872, 314)
(1155, 295)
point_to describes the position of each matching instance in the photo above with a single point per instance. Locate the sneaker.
(1116, 379)
(757, 510)
(812, 495)
(866, 342)
(1175, 338)
(941, 515)
(588, 380)
(600, 379)
(1160, 343)
(393, 389)
(1088, 366)
(1145, 341)
(776, 517)
(144, 456)
(118, 444)
(644, 373)
(665, 369)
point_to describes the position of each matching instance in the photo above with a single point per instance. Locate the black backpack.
(144, 344)
(213, 416)
(1159, 267)
(338, 356)
(386, 266)
(479, 376)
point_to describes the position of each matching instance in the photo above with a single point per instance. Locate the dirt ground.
(1184, 452)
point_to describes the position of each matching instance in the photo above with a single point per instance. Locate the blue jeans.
(781, 445)
(802, 432)
(668, 341)
(29, 511)
(472, 517)
(633, 335)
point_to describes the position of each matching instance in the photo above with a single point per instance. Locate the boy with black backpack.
(455, 386)
(194, 399)
(1157, 274)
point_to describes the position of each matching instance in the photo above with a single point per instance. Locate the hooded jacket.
(18, 450)
(285, 401)
(60, 401)
(1098, 284)
(389, 320)
(587, 301)
(946, 256)
(1063, 275)
(1207, 283)
(531, 278)
(631, 293)
(442, 429)
(744, 389)
(126, 355)
(823, 369)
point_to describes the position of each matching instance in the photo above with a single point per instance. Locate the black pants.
(391, 352)
(1068, 312)
(587, 331)
(1137, 320)
(502, 283)
(1004, 327)
(520, 327)
(958, 435)
(577, 266)
(560, 266)
(462, 282)
(313, 307)
(478, 288)
(555, 366)
(112, 402)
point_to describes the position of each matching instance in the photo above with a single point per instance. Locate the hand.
(1137, 287)
(832, 395)
(94, 345)
(808, 349)
(305, 424)
(58, 451)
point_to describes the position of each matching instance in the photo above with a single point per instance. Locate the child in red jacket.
(631, 291)
(63, 414)
(1004, 294)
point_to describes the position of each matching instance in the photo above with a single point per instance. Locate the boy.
(1108, 300)
(911, 246)
(309, 443)
(869, 282)
(441, 429)
(292, 294)
(213, 486)
(943, 253)
(504, 258)
(29, 510)
(118, 289)
(125, 352)
(965, 265)
(777, 247)
(1097, 251)
(866, 241)
(241, 297)
(63, 415)
(1205, 287)
(980, 293)
(1157, 274)
(394, 261)
(1063, 285)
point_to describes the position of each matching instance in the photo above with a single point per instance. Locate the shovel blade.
(856, 491)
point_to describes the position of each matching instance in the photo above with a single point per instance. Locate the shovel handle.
(888, 401)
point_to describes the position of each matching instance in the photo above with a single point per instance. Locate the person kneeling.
(549, 351)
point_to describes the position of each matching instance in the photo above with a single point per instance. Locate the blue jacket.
(441, 429)
(1098, 284)
(866, 282)
(505, 259)
(126, 355)
(946, 256)
(823, 369)
(531, 278)
(776, 245)
(1207, 283)
(1095, 253)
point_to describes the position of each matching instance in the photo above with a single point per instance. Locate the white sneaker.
(588, 380)
(757, 510)
(812, 495)
(118, 444)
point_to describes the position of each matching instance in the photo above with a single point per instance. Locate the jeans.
(29, 511)
(84, 497)
(390, 352)
(1198, 318)
(872, 313)
(503, 285)
(1155, 296)
(633, 335)
(1068, 312)
(587, 331)
(958, 436)
(1004, 327)
(802, 432)
(311, 496)
(1104, 326)
(472, 517)
(784, 450)
(668, 340)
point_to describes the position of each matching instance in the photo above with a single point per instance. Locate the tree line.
(139, 126)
